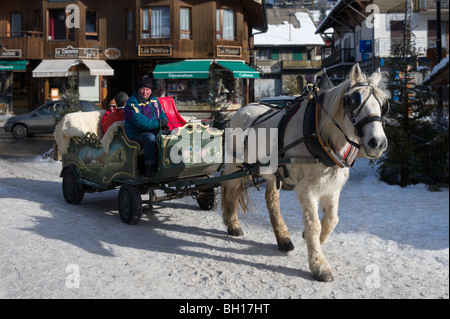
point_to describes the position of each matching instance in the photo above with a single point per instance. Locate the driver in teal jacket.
(144, 118)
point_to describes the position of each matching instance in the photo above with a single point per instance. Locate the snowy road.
(389, 243)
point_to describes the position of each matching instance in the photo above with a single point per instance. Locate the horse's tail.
(243, 199)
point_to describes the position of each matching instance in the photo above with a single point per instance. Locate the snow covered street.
(390, 243)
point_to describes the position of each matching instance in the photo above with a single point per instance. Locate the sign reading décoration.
(155, 50)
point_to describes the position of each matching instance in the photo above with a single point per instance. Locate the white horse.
(317, 152)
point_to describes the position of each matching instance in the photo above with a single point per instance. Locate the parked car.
(282, 100)
(41, 120)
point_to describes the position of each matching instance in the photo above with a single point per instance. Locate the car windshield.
(49, 109)
(88, 106)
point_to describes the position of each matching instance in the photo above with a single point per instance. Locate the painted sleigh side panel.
(103, 170)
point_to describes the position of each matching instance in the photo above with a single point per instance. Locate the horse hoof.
(235, 231)
(286, 245)
(324, 277)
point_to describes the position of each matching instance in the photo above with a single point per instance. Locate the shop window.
(57, 29)
(185, 23)
(91, 25)
(129, 24)
(15, 25)
(155, 23)
(225, 25)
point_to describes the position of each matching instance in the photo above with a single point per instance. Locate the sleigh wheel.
(208, 199)
(130, 204)
(72, 190)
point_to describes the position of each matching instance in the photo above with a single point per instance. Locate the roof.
(287, 34)
(345, 15)
(438, 74)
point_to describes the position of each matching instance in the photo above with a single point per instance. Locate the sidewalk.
(3, 118)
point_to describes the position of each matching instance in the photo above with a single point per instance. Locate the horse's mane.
(334, 101)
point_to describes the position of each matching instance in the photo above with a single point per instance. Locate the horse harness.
(321, 151)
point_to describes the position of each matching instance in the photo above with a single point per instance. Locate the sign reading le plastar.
(155, 50)
(229, 51)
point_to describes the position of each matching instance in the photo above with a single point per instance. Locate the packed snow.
(390, 242)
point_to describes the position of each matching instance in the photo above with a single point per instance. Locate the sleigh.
(188, 158)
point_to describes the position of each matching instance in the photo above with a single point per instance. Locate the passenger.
(144, 118)
(117, 111)
(112, 105)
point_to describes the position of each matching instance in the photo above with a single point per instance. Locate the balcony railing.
(424, 5)
(29, 42)
(21, 34)
(303, 64)
(339, 57)
(382, 46)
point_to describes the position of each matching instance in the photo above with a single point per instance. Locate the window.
(155, 23)
(225, 26)
(91, 25)
(297, 55)
(57, 26)
(264, 54)
(185, 23)
(275, 54)
(16, 25)
(432, 33)
(129, 24)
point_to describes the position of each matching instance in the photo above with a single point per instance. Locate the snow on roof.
(441, 65)
(287, 34)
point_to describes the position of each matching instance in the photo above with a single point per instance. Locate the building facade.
(288, 53)
(364, 32)
(192, 49)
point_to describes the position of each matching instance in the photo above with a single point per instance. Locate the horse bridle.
(354, 103)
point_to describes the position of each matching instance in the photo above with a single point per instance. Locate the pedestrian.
(144, 118)
(116, 111)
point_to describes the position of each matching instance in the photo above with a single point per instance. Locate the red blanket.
(169, 107)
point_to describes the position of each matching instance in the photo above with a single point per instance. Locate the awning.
(187, 69)
(239, 69)
(13, 65)
(98, 67)
(60, 67)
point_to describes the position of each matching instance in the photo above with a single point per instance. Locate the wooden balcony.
(303, 64)
(30, 42)
(343, 56)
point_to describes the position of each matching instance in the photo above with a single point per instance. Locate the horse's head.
(365, 106)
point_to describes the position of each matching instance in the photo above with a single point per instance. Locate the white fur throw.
(77, 124)
(109, 135)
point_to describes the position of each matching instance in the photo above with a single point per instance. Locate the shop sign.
(229, 51)
(75, 53)
(10, 53)
(112, 53)
(155, 50)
